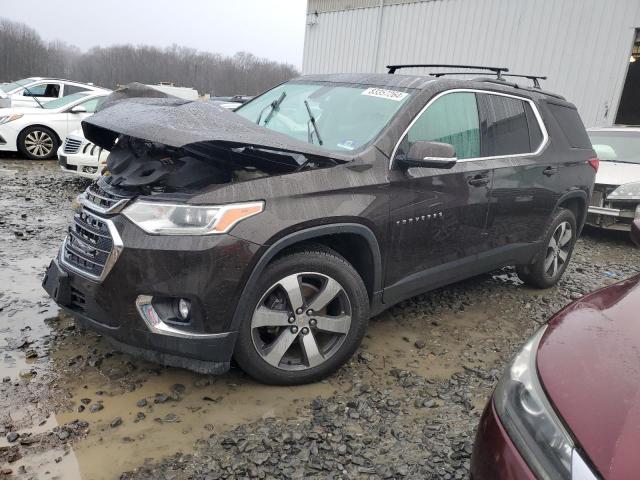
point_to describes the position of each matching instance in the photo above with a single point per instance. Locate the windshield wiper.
(312, 119)
(33, 96)
(275, 105)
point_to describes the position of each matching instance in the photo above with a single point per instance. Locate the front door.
(437, 216)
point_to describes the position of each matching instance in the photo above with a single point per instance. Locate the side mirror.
(429, 155)
(78, 109)
(635, 232)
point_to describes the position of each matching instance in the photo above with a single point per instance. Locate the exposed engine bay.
(166, 145)
(149, 167)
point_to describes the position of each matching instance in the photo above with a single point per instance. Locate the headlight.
(530, 420)
(181, 219)
(10, 118)
(628, 191)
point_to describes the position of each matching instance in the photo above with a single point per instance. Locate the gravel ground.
(406, 405)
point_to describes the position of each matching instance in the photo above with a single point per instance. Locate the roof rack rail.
(497, 70)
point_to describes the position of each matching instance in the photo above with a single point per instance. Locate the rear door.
(525, 182)
(437, 215)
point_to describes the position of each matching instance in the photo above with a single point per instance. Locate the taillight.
(595, 163)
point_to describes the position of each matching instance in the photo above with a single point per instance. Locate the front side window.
(452, 119)
(611, 146)
(43, 90)
(505, 130)
(347, 117)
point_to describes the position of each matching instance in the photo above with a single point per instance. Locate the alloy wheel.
(38, 143)
(301, 321)
(558, 249)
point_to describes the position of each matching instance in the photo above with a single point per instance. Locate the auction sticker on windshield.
(384, 93)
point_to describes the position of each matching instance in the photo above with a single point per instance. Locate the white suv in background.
(34, 91)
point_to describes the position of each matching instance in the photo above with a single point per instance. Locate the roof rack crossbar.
(497, 70)
(534, 78)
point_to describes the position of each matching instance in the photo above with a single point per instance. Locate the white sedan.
(36, 91)
(37, 132)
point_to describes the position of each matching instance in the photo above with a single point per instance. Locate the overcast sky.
(267, 28)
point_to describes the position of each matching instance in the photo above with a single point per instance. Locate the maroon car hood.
(589, 364)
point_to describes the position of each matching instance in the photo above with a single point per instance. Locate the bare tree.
(23, 53)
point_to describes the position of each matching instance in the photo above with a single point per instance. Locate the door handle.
(550, 171)
(478, 180)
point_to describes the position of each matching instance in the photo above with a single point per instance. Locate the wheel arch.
(41, 126)
(339, 237)
(577, 202)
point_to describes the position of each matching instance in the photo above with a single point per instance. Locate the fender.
(309, 234)
(582, 195)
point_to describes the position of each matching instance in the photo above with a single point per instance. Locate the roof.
(376, 79)
(422, 82)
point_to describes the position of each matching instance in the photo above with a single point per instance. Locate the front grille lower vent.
(71, 146)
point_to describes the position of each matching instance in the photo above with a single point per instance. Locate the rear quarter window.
(571, 125)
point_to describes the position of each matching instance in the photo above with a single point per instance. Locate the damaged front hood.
(180, 123)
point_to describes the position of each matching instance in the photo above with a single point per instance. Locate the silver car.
(616, 196)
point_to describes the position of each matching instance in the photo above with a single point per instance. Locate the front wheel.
(305, 319)
(553, 259)
(38, 143)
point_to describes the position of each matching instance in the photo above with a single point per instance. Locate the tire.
(551, 261)
(38, 143)
(279, 329)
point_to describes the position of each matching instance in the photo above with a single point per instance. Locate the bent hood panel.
(179, 123)
(589, 364)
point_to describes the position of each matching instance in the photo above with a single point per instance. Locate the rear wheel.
(305, 319)
(553, 259)
(38, 143)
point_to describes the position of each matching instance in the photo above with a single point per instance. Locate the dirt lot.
(406, 406)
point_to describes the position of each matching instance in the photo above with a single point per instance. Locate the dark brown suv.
(272, 234)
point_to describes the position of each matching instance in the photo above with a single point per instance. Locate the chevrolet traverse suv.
(272, 234)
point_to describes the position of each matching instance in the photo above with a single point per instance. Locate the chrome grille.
(71, 145)
(101, 200)
(90, 247)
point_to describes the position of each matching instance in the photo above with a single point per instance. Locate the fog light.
(184, 308)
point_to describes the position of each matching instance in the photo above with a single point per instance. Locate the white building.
(584, 47)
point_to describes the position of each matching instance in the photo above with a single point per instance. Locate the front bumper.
(80, 164)
(603, 213)
(209, 271)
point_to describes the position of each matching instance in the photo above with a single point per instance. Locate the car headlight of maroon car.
(531, 422)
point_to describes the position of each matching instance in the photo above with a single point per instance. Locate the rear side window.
(571, 125)
(504, 126)
(452, 119)
(71, 89)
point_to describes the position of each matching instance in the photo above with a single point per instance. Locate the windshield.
(64, 101)
(616, 146)
(9, 87)
(337, 117)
